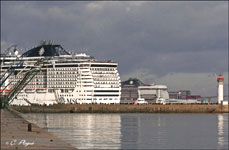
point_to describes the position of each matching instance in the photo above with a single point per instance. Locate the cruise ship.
(48, 74)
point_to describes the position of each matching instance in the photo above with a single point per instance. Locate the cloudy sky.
(180, 44)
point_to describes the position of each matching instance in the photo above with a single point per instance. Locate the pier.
(124, 108)
(17, 133)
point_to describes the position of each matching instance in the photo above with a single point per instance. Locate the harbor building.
(133, 88)
(129, 90)
(53, 75)
(151, 93)
(173, 94)
(183, 94)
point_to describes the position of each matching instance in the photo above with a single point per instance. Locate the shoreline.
(123, 108)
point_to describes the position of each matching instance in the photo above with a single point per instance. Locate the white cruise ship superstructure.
(60, 77)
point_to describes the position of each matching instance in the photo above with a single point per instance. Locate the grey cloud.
(204, 84)
(160, 37)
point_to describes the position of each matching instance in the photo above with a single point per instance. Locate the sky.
(183, 45)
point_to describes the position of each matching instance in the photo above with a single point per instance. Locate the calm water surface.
(137, 131)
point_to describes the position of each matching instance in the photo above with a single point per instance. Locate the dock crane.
(20, 85)
(11, 69)
(29, 75)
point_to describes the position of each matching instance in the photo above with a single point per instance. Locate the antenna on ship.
(51, 42)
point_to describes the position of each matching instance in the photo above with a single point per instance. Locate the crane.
(21, 84)
(11, 69)
(25, 80)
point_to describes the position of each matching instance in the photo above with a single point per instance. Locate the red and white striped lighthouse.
(220, 88)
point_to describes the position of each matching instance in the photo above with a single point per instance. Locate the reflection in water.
(161, 140)
(138, 131)
(143, 131)
(222, 128)
(83, 131)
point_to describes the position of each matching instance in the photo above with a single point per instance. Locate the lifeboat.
(29, 90)
(41, 90)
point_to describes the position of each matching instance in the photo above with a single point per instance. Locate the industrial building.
(183, 94)
(129, 90)
(133, 88)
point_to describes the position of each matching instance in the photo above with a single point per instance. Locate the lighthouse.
(220, 88)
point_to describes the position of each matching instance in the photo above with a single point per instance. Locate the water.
(137, 131)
